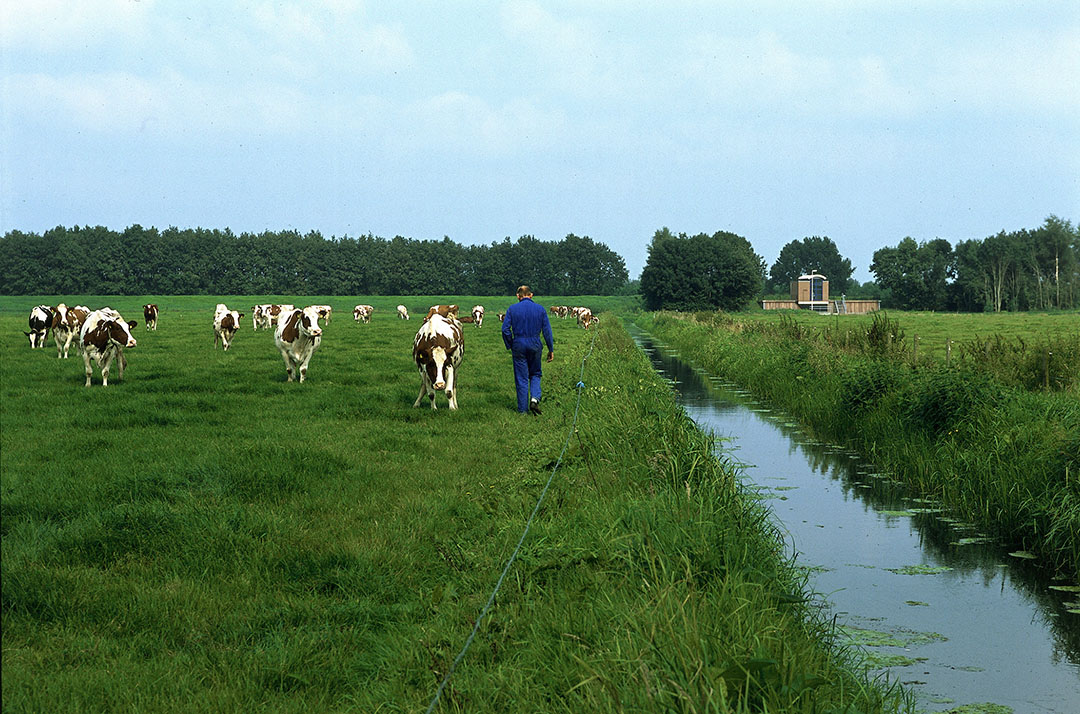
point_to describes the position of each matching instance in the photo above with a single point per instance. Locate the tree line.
(1016, 271)
(197, 261)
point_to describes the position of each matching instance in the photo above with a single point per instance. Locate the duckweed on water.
(1023, 554)
(982, 708)
(920, 569)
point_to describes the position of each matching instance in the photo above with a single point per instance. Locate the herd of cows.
(102, 335)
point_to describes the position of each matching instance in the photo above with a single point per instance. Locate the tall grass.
(203, 536)
(1004, 457)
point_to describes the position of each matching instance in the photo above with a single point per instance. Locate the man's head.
(524, 292)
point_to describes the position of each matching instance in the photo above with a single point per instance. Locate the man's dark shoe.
(534, 406)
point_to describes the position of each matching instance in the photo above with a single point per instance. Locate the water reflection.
(945, 610)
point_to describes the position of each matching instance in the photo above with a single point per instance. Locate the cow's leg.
(121, 363)
(288, 365)
(105, 364)
(451, 393)
(302, 369)
(89, 369)
(217, 336)
(67, 344)
(224, 342)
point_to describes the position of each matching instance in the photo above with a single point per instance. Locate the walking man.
(521, 330)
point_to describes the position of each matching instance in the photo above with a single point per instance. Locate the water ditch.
(951, 614)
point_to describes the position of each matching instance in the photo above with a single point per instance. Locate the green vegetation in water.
(982, 708)
(896, 638)
(1024, 555)
(920, 569)
(916, 603)
(898, 514)
(975, 540)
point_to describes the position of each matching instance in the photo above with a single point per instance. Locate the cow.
(585, 317)
(226, 323)
(103, 337)
(324, 312)
(362, 313)
(150, 315)
(450, 311)
(561, 311)
(67, 321)
(501, 316)
(41, 318)
(437, 351)
(268, 314)
(478, 315)
(402, 312)
(297, 336)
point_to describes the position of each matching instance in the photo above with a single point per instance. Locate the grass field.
(934, 329)
(203, 536)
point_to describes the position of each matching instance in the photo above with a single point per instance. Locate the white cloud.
(60, 25)
(455, 122)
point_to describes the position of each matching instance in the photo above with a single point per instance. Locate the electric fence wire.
(483, 611)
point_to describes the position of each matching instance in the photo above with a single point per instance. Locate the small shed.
(811, 292)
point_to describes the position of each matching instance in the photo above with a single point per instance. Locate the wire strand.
(483, 611)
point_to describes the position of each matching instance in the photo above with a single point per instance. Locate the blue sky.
(862, 121)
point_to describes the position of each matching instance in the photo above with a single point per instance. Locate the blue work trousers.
(526, 371)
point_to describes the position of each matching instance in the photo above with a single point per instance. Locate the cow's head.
(118, 332)
(309, 322)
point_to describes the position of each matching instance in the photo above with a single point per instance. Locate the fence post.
(948, 352)
(1046, 369)
(915, 352)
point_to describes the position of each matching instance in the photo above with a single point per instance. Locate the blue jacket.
(523, 323)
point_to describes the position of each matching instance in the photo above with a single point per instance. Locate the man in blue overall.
(521, 330)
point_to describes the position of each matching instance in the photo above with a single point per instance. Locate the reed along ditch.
(953, 616)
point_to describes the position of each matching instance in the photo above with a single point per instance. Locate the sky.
(865, 122)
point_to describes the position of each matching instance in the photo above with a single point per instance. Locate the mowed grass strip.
(203, 536)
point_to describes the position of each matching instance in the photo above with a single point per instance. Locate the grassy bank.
(1004, 457)
(202, 536)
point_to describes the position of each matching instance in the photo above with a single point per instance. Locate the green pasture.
(936, 329)
(203, 536)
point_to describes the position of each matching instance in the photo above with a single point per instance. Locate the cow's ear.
(240, 315)
(132, 323)
(26, 333)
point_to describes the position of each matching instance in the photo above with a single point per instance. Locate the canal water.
(937, 606)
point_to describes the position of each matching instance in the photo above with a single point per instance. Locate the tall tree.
(700, 272)
(812, 254)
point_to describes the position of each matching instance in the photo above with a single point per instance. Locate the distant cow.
(268, 315)
(402, 312)
(437, 351)
(362, 313)
(150, 315)
(226, 323)
(323, 311)
(67, 321)
(501, 316)
(298, 335)
(478, 315)
(103, 337)
(585, 317)
(40, 321)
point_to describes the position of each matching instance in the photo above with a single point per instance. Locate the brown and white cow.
(41, 318)
(402, 312)
(585, 317)
(149, 312)
(67, 321)
(324, 312)
(450, 311)
(226, 323)
(266, 315)
(362, 313)
(297, 337)
(501, 316)
(437, 351)
(103, 337)
(478, 315)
